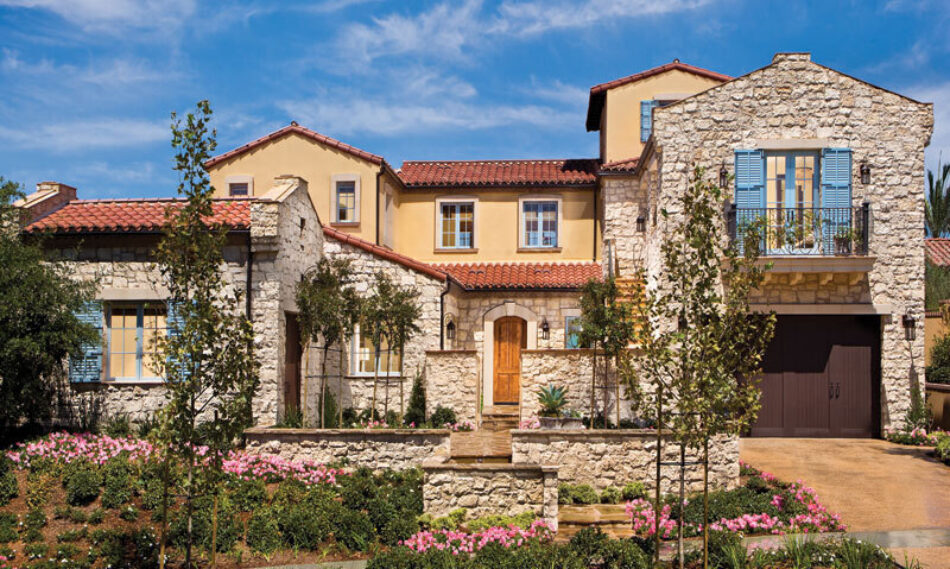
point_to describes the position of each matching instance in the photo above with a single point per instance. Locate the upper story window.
(240, 185)
(572, 332)
(456, 228)
(364, 356)
(646, 116)
(539, 223)
(346, 199)
(237, 189)
(132, 330)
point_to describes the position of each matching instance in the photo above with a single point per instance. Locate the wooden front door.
(511, 336)
(292, 352)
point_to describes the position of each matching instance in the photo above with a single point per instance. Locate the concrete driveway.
(876, 486)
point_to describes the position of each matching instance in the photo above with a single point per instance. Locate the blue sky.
(86, 86)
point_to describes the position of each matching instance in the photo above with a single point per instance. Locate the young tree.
(937, 206)
(373, 316)
(402, 313)
(702, 345)
(207, 358)
(606, 324)
(327, 305)
(39, 327)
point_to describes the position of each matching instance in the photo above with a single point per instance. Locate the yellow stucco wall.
(620, 131)
(301, 156)
(496, 226)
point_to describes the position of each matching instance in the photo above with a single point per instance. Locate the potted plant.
(553, 400)
(843, 239)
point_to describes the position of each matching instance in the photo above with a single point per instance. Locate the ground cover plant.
(93, 501)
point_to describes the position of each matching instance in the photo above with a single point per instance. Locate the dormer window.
(240, 185)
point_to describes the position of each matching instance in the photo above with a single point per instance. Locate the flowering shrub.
(917, 436)
(459, 542)
(6, 563)
(793, 508)
(272, 468)
(532, 423)
(461, 426)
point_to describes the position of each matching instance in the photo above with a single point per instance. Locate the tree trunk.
(323, 385)
(306, 382)
(402, 382)
(593, 386)
(372, 409)
(706, 502)
(164, 528)
(659, 454)
(188, 510)
(605, 382)
(617, 394)
(214, 530)
(679, 540)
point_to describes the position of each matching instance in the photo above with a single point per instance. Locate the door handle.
(837, 390)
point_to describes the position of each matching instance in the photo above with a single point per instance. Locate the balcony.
(803, 231)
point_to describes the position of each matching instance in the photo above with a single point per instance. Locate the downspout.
(596, 209)
(448, 287)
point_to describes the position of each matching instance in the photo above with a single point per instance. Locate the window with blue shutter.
(646, 119)
(835, 195)
(572, 332)
(175, 322)
(749, 195)
(86, 366)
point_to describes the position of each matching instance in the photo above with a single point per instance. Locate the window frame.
(246, 179)
(522, 223)
(355, 346)
(335, 181)
(455, 201)
(568, 319)
(140, 347)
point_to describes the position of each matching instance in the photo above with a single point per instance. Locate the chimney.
(48, 197)
(791, 56)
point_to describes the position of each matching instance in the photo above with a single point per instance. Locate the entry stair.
(491, 442)
(609, 517)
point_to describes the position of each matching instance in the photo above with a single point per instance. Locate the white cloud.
(103, 72)
(114, 16)
(558, 92)
(531, 18)
(939, 95)
(80, 135)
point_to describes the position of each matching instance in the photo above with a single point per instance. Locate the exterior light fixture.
(450, 330)
(545, 329)
(910, 327)
(865, 173)
(641, 224)
(723, 176)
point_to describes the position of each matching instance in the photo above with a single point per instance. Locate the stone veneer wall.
(605, 458)
(486, 489)
(377, 448)
(794, 98)
(472, 306)
(451, 380)
(571, 369)
(842, 288)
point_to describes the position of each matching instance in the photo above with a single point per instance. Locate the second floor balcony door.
(792, 203)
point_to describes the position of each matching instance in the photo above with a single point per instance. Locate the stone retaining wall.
(377, 448)
(485, 489)
(452, 381)
(605, 458)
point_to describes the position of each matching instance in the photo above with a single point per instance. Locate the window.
(539, 223)
(572, 331)
(646, 116)
(240, 185)
(132, 331)
(237, 189)
(363, 357)
(346, 202)
(456, 225)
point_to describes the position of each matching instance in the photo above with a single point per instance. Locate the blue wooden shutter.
(750, 190)
(86, 367)
(646, 119)
(835, 194)
(174, 324)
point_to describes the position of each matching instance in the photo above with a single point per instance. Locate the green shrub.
(82, 484)
(522, 520)
(416, 411)
(36, 550)
(942, 450)
(247, 495)
(610, 495)
(624, 554)
(441, 416)
(129, 513)
(331, 415)
(35, 519)
(117, 426)
(381, 512)
(303, 527)
(449, 522)
(97, 516)
(117, 477)
(290, 491)
(229, 530)
(758, 484)
(9, 488)
(8, 525)
(72, 535)
(939, 369)
(359, 489)
(263, 531)
(589, 543)
(565, 494)
(633, 491)
(723, 544)
(39, 487)
(134, 549)
(398, 529)
(354, 530)
(585, 494)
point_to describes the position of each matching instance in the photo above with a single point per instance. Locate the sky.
(87, 86)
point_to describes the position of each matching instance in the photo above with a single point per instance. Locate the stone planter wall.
(377, 448)
(938, 397)
(485, 489)
(452, 381)
(605, 458)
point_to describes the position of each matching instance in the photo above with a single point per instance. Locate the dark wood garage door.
(821, 378)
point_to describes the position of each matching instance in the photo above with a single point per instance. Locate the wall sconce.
(910, 327)
(641, 224)
(723, 176)
(545, 329)
(865, 173)
(450, 330)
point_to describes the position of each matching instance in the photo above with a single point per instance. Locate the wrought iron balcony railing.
(825, 231)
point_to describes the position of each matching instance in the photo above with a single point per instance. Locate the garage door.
(821, 378)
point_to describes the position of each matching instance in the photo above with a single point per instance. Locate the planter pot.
(842, 246)
(567, 423)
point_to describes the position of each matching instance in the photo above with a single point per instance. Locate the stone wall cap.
(585, 433)
(437, 352)
(487, 467)
(270, 430)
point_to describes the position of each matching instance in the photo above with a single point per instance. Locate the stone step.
(483, 443)
(611, 518)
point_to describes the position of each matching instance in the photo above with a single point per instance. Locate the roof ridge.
(309, 133)
(379, 250)
(158, 200)
(675, 64)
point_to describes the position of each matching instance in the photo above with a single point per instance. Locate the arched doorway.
(510, 337)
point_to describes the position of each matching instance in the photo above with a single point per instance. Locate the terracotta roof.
(938, 251)
(133, 215)
(295, 128)
(499, 173)
(523, 276)
(385, 253)
(628, 165)
(595, 105)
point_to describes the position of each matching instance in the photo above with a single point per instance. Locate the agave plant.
(553, 399)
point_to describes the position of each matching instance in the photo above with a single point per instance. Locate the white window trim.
(334, 179)
(560, 225)
(240, 179)
(355, 359)
(438, 221)
(139, 306)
